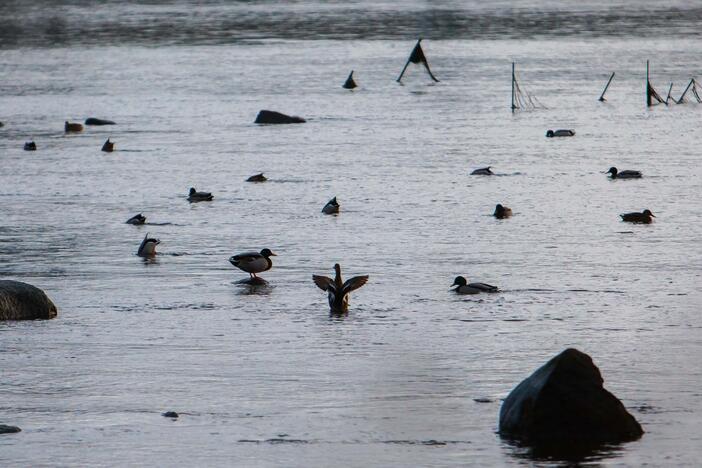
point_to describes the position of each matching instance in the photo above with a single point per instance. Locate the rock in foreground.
(272, 117)
(564, 400)
(22, 301)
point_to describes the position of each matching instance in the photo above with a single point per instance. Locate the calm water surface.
(264, 377)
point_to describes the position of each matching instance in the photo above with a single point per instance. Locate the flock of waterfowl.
(337, 290)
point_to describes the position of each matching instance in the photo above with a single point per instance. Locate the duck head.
(612, 170)
(549, 134)
(648, 213)
(192, 191)
(267, 253)
(459, 281)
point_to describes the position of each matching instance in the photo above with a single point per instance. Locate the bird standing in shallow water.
(502, 212)
(253, 262)
(195, 196)
(483, 171)
(148, 246)
(623, 174)
(463, 287)
(338, 290)
(645, 217)
(332, 207)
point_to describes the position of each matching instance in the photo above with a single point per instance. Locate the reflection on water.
(92, 22)
(562, 454)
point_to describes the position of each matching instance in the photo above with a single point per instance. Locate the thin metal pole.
(648, 88)
(513, 106)
(682, 96)
(602, 98)
(667, 98)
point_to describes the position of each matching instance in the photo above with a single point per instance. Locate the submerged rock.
(564, 401)
(272, 117)
(94, 121)
(9, 429)
(22, 301)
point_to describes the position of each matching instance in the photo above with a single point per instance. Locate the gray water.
(264, 376)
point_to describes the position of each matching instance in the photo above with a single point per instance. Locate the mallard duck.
(108, 147)
(332, 207)
(338, 290)
(30, 146)
(483, 171)
(137, 219)
(257, 178)
(560, 133)
(349, 83)
(95, 121)
(502, 212)
(253, 262)
(195, 196)
(148, 246)
(72, 127)
(623, 174)
(463, 287)
(645, 217)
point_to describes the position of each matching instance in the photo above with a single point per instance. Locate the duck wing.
(483, 287)
(323, 282)
(354, 283)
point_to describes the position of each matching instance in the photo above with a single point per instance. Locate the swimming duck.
(623, 174)
(137, 219)
(257, 178)
(349, 83)
(148, 246)
(338, 290)
(502, 212)
(30, 146)
(483, 171)
(72, 127)
(108, 147)
(463, 287)
(195, 196)
(560, 133)
(253, 262)
(332, 207)
(644, 217)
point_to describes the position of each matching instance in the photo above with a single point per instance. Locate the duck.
(338, 290)
(629, 174)
(463, 287)
(253, 262)
(30, 146)
(257, 178)
(645, 217)
(195, 196)
(137, 219)
(483, 171)
(349, 83)
(148, 246)
(332, 207)
(108, 147)
(72, 127)
(502, 212)
(560, 133)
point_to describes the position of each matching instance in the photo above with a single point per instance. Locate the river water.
(264, 376)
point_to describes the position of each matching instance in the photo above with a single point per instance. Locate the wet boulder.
(272, 117)
(565, 401)
(22, 301)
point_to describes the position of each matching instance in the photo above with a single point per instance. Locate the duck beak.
(652, 215)
(273, 255)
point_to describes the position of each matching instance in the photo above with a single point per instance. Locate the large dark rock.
(9, 429)
(22, 301)
(96, 121)
(272, 117)
(564, 400)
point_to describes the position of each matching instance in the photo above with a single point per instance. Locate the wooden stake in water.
(602, 98)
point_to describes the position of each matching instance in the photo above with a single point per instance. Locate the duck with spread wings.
(338, 290)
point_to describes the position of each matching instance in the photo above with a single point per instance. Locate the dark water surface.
(263, 376)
